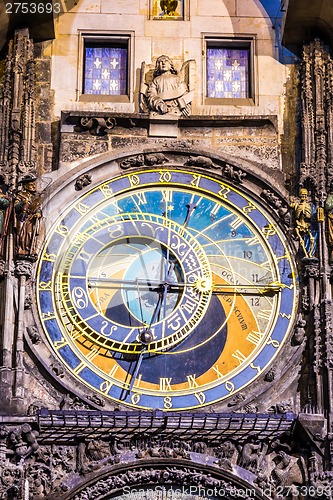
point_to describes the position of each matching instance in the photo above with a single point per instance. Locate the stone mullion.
(307, 116)
(5, 101)
(329, 120)
(7, 339)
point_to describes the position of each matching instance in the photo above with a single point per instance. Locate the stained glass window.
(228, 72)
(105, 70)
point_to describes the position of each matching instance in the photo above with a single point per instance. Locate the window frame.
(237, 42)
(106, 39)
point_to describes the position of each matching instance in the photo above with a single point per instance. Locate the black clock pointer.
(190, 209)
(145, 338)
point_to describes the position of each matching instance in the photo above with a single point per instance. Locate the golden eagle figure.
(169, 7)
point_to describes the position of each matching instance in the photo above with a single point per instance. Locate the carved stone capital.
(310, 267)
(2, 268)
(23, 268)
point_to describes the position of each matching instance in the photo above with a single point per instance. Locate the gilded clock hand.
(203, 284)
(168, 270)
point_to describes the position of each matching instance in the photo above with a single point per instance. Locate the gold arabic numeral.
(254, 337)
(165, 177)
(249, 208)
(230, 386)
(191, 380)
(167, 401)
(239, 356)
(134, 180)
(49, 257)
(106, 191)
(82, 208)
(196, 180)
(135, 399)
(62, 229)
(217, 371)
(223, 193)
(165, 384)
(269, 231)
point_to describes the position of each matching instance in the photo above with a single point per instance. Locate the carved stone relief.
(167, 91)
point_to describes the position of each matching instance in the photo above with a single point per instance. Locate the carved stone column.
(316, 173)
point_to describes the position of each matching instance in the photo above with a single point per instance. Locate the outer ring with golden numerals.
(221, 265)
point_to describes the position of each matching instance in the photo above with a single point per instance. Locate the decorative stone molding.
(95, 125)
(143, 159)
(279, 205)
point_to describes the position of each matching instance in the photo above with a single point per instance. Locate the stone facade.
(58, 438)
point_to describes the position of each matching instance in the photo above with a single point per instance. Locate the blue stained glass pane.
(227, 72)
(105, 71)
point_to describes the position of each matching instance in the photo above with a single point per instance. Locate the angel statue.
(169, 92)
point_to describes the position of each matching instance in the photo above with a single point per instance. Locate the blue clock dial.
(166, 289)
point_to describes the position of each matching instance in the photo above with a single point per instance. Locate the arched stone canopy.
(180, 478)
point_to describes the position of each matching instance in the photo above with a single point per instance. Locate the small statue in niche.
(169, 7)
(169, 91)
(27, 215)
(329, 213)
(5, 202)
(304, 224)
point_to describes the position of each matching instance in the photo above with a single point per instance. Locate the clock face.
(166, 289)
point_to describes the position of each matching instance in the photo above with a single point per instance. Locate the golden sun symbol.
(203, 285)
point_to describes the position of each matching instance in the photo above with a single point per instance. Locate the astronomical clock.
(166, 288)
